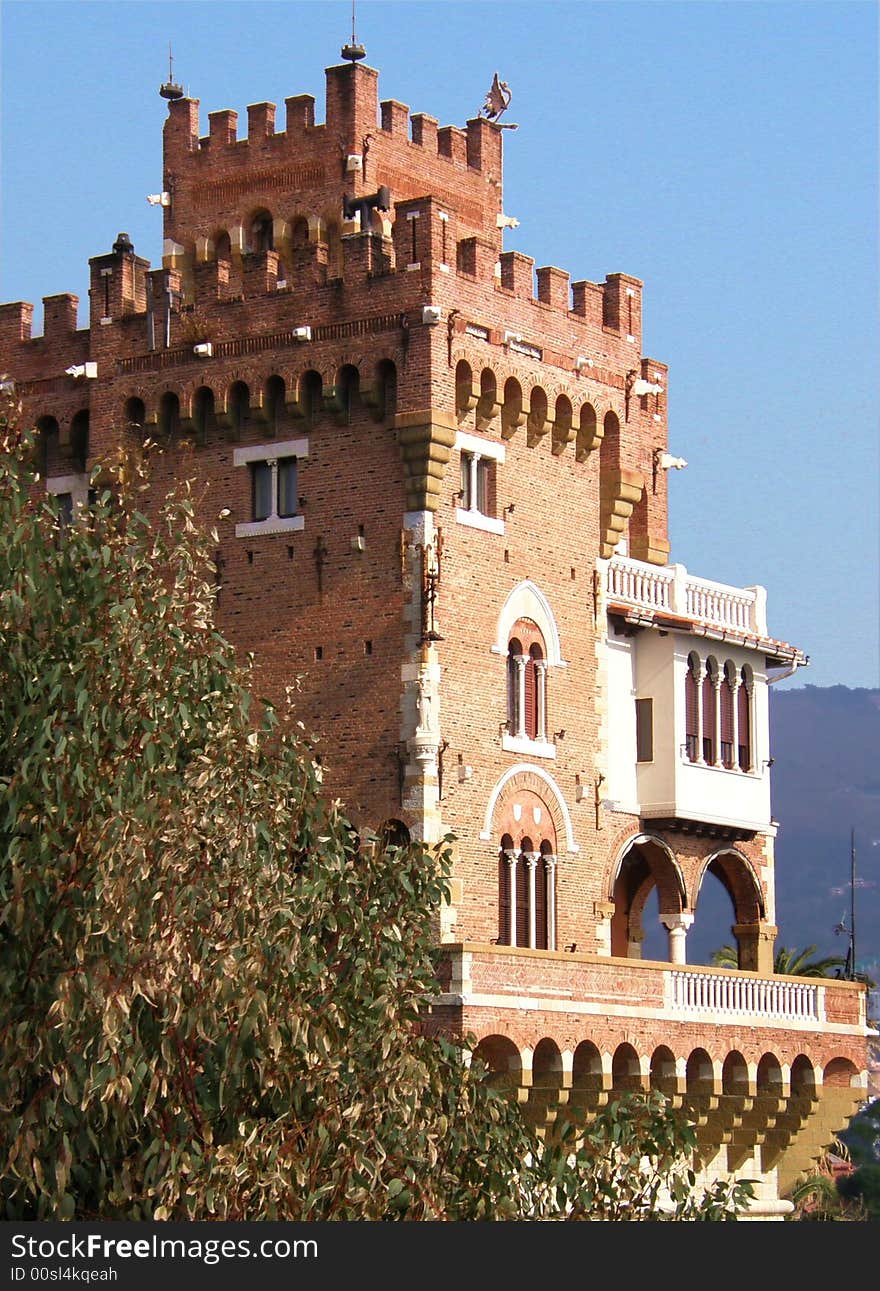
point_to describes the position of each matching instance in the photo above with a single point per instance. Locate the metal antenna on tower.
(354, 51)
(170, 89)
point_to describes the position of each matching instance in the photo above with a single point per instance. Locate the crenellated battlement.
(228, 196)
(373, 212)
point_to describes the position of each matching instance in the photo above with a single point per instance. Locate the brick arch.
(564, 422)
(502, 1058)
(803, 1075)
(645, 863)
(512, 404)
(676, 890)
(524, 814)
(735, 1073)
(547, 1064)
(737, 874)
(840, 1073)
(589, 429)
(531, 787)
(129, 409)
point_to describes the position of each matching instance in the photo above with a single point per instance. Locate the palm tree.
(788, 960)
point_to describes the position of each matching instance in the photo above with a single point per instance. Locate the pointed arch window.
(527, 683)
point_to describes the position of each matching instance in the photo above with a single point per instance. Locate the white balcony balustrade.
(672, 589)
(723, 997)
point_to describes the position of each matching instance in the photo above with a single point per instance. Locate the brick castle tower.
(445, 473)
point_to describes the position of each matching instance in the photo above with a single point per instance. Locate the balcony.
(663, 621)
(766, 1068)
(507, 977)
(672, 591)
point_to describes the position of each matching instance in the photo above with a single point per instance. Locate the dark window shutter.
(531, 700)
(644, 730)
(726, 723)
(512, 691)
(541, 905)
(708, 696)
(288, 501)
(503, 900)
(744, 732)
(690, 715)
(522, 902)
(262, 490)
(482, 498)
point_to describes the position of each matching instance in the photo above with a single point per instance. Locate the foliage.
(862, 1134)
(863, 1185)
(817, 1198)
(634, 1163)
(788, 960)
(210, 989)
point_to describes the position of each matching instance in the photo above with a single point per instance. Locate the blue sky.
(726, 153)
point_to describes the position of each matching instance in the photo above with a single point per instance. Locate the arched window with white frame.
(527, 683)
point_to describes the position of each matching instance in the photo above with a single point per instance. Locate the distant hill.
(825, 742)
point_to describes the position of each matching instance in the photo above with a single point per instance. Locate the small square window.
(274, 489)
(477, 484)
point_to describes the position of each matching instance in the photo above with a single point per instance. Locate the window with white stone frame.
(527, 639)
(526, 726)
(479, 463)
(71, 492)
(274, 487)
(527, 895)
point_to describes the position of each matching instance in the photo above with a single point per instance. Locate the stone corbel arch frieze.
(525, 776)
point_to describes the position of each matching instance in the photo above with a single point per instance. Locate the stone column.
(272, 463)
(677, 926)
(531, 860)
(716, 700)
(541, 688)
(734, 691)
(472, 465)
(550, 880)
(511, 856)
(520, 716)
